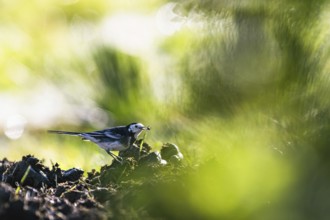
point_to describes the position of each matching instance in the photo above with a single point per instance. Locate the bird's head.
(136, 128)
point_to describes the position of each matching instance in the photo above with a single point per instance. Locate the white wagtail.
(117, 138)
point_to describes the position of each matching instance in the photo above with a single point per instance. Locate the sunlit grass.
(67, 151)
(242, 90)
(241, 168)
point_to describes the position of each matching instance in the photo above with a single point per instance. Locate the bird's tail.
(65, 132)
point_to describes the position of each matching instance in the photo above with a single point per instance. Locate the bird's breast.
(112, 146)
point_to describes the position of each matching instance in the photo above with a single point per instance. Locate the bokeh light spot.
(168, 22)
(14, 127)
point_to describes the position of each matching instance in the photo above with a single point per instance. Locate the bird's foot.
(116, 158)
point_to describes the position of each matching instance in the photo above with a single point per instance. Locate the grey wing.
(113, 135)
(101, 136)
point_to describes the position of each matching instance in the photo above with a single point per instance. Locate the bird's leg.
(115, 157)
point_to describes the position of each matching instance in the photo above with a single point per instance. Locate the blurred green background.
(242, 87)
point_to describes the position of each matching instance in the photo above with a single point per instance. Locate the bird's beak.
(146, 128)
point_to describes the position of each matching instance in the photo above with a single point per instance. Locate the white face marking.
(136, 129)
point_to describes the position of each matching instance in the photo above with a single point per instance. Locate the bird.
(117, 138)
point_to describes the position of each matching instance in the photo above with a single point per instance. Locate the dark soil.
(129, 190)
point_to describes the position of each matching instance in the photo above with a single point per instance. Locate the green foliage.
(26, 173)
(124, 88)
(256, 77)
(251, 110)
(245, 49)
